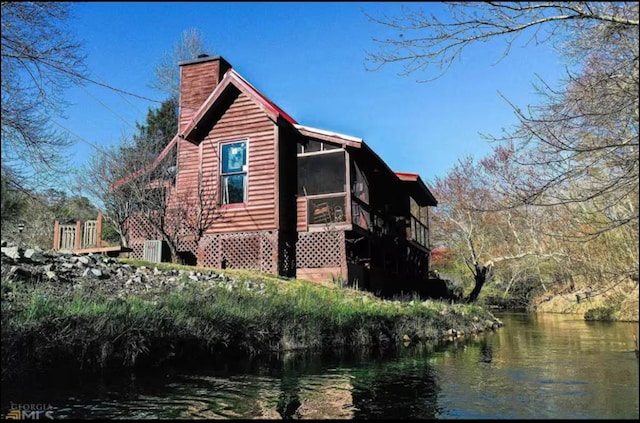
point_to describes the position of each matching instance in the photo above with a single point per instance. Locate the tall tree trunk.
(173, 249)
(481, 274)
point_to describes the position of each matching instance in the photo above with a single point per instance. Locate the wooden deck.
(110, 251)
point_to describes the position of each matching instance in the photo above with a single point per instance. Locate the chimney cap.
(203, 58)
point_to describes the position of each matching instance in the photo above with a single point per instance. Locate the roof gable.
(232, 79)
(417, 188)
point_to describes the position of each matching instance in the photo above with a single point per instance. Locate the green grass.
(42, 326)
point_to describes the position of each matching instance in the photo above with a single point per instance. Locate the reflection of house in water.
(407, 389)
(331, 397)
(291, 200)
(306, 386)
(402, 388)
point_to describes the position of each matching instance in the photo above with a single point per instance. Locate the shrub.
(606, 314)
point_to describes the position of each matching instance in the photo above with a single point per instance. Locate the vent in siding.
(154, 251)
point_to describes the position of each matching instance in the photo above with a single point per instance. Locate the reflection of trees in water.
(289, 399)
(405, 389)
(486, 351)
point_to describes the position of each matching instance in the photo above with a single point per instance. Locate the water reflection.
(405, 389)
(537, 366)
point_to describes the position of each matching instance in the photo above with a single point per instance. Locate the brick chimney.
(198, 78)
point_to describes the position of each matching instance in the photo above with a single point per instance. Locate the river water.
(540, 366)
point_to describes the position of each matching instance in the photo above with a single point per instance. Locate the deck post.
(56, 235)
(99, 230)
(78, 235)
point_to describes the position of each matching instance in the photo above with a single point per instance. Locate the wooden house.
(289, 199)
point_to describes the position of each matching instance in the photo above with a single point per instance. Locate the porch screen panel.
(360, 185)
(321, 174)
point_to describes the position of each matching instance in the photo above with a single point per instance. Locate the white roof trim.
(328, 133)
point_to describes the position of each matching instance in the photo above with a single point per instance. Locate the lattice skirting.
(245, 250)
(138, 249)
(259, 250)
(320, 249)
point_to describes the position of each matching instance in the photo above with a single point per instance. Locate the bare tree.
(137, 195)
(135, 181)
(160, 211)
(505, 241)
(104, 168)
(167, 78)
(40, 59)
(579, 148)
(425, 41)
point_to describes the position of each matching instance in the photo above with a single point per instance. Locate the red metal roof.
(419, 189)
(407, 176)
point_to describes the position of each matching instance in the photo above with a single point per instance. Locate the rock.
(12, 270)
(34, 255)
(12, 252)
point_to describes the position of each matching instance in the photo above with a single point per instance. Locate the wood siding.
(322, 274)
(188, 167)
(243, 120)
(302, 214)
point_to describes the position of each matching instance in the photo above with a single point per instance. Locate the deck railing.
(77, 236)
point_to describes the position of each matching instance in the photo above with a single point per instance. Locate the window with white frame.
(233, 172)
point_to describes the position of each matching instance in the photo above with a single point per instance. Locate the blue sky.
(308, 58)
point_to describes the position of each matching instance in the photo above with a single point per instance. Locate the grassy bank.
(44, 324)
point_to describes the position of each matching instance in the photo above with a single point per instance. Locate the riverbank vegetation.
(243, 312)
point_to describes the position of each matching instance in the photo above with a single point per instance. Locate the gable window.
(312, 146)
(233, 179)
